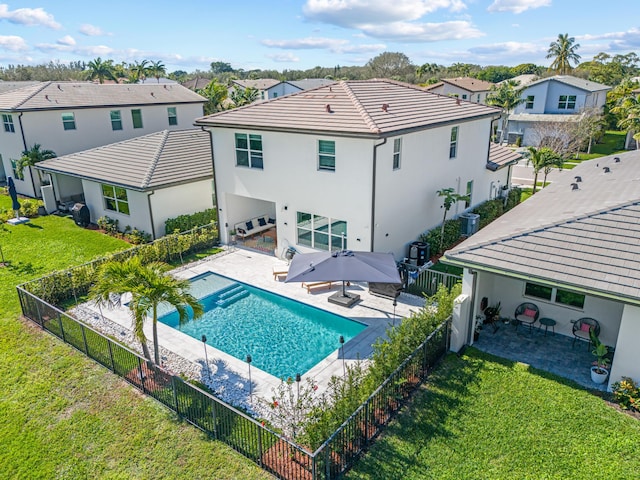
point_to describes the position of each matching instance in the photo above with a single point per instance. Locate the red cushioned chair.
(527, 313)
(582, 327)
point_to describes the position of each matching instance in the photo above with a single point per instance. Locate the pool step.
(228, 291)
(228, 300)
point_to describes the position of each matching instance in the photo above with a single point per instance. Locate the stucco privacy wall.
(178, 200)
(627, 357)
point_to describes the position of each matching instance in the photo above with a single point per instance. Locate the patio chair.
(582, 328)
(527, 313)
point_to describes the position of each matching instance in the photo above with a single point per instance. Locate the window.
(397, 147)
(14, 164)
(69, 121)
(116, 120)
(528, 103)
(567, 102)
(115, 199)
(136, 116)
(469, 194)
(453, 145)
(556, 295)
(7, 120)
(249, 151)
(275, 94)
(478, 99)
(464, 96)
(320, 232)
(173, 115)
(327, 155)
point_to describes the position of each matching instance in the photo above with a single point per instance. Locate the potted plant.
(232, 235)
(599, 370)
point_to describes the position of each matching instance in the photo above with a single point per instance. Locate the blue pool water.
(283, 336)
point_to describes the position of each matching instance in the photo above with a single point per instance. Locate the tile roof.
(501, 156)
(573, 81)
(470, 84)
(7, 86)
(161, 159)
(50, 95)
(309, 83)
(370, 108)
(260, 84)
(196, 83)
(586, 238)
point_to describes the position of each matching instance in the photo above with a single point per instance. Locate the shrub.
(108, 224)
(138, 237)
(187, 222)
(489, 211)
(513, 198)
(627, 393)
(29, 207)
(451, 236)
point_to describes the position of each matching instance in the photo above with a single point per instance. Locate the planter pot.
(599, 375)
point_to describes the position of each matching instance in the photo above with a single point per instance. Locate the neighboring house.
(466, 88)
(268, 88)
(8, 86)
(521, 80)
(197, 83)
(141, 182)
(69, 117)
(557, 99)
(573, 250)
(359, 159)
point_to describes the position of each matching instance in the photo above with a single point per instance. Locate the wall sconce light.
(357, 239)
(286, 223)
(386, 234)
(286, 207)
(226, 224)
(220, 209)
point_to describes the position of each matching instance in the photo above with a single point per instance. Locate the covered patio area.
(551, 353)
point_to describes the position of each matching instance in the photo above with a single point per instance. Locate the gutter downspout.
(373, 191)
(215, 183)
(472, 306)
(24, 143)
(153, 225)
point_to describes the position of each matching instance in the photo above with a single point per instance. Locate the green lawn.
(64, 417)
(482, 417)
(612, 142)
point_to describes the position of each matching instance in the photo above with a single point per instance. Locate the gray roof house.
(573, 249)
(141, 182)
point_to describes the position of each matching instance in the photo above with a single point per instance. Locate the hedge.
(187, 222)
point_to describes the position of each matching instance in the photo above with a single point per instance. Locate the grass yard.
(61, 415)
(612, 142)
(482, 417)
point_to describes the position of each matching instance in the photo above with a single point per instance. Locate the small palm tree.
(450, 198)
(216, 94)
(543, 160)
(101, 70)
(149, 286)
(140, 69)
(628, 110)
(30, 157)
(157, 69)
(507, 97)
(563, 52)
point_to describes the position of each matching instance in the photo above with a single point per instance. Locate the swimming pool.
(283, 336)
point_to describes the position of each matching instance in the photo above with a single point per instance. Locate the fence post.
(141, 373)
(64, 339)
(366, 424)
(84, 339)
(40, 322)
(113, 364)
(175, 393)
(260, 445)
(326, 461)
(215, 419)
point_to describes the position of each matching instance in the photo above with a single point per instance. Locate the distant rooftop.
(260, 84)
(583, 230)
(467, 83)
(581, 83)
(8, 86)
(501, 156)
(370, 108)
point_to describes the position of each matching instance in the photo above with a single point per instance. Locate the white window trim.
(326, 169)
(453, 144)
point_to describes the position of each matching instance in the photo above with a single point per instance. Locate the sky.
(301, 34)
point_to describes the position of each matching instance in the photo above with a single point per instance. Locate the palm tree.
(507, 97)
(563, 52)
(101, 70)
(140, 69)
(216, 93)
(149, 286)
(244, 96)
(628, 110)
(429, 69)
(157, 69)
(450, 198)
(543, 159)
(30, 157)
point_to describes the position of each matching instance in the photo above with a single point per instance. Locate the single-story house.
(141, 182)
(573, 249)
(466, 88)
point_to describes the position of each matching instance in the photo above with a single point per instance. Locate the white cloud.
(509, 49)
(423, 32)
(13, 43)
(284, 57)
(66, 40)
(517, 6)
(28, 16)
(333, 45)
(91, 30)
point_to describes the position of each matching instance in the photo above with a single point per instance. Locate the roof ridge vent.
(578, 179)
(360, 108)
(574, 186)
(616, 159)
(385, 107)
(606, 169)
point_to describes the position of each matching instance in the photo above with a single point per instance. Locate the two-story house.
(69, 117)
(355, 165)
(466, 88)
(553, 100)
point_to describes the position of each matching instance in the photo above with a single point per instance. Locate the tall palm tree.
(157, 69)
(429, 69)
(507, 97)
(450, 197)
(149, 286)
(101, 70)
(543, 159)
(30, 157)
(140, 69)
(216, 93)
(563, 52)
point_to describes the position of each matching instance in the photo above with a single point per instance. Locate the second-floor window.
(327, 155)
(7, 120)
(116, 120)
(69, 121)
(115, 199)
(567, 102)
(173, 115)
(249, 151)
(528, 103)
(136, 116)
(467, 202)
(397, 148)
(453, 144)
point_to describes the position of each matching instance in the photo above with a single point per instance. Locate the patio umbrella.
(345, 265)
(14, 197)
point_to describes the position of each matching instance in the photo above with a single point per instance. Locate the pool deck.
(256, 269)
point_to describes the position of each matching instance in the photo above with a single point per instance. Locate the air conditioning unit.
(470, 222)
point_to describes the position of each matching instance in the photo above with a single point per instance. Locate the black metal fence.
(427, 281)
(268, 449)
